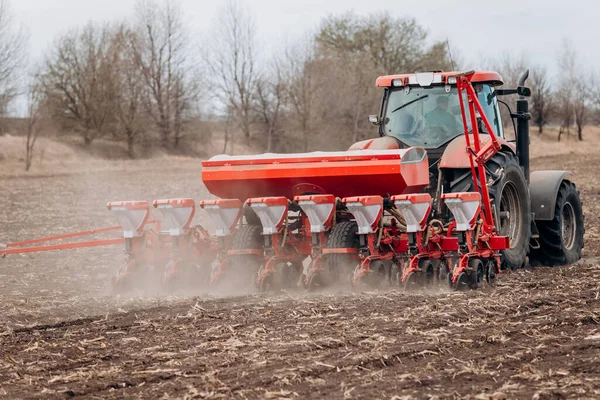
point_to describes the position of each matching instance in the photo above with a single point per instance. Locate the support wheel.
(462, 283)
(428, 271)
(443, 273)
(412, 282)
(379, 276)
(266, 283)
(476, 275)
(490, 272)
(290, 273)
(315, 282)
(396, 274)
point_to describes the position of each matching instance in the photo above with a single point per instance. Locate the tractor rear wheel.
(510, 195)
(561, 239)
(243, 269)
(341, 266)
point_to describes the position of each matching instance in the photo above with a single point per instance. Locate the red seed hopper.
(343, 173)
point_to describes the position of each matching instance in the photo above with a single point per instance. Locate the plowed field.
(62, 334)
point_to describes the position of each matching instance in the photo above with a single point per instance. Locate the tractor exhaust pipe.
(523, 116)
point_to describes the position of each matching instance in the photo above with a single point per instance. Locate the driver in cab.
(440, 116)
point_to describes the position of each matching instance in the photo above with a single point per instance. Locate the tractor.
(539, 211)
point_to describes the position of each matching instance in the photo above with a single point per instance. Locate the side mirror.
(374, 120)
(524, 91)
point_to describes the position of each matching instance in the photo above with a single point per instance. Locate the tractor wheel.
(341, 266)
(510, 195)
(243, 270)
(561, 239)
(251, 217)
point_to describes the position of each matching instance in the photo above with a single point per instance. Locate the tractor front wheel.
(509, 192)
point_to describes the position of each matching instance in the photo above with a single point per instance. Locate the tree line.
(147, 79)
(568, 101)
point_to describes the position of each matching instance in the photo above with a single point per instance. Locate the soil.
(63, 334)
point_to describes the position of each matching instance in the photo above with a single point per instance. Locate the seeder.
(428, 203)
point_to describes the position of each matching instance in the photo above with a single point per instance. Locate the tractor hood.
(343, 173)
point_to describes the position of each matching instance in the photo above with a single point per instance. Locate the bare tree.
(79, 80)
(270, 99)
(510, 66)
(594, 90)
(361, 96)
(567, 91)
(581, 102)
(304, 89)
(231, 61)
(161, 48)
(33, 119)
(13, 55)
(131, 89)
(228, 133)
(542, 98)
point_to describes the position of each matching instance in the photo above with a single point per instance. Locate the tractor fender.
(543, 189)
(381, 143)
(456, 157)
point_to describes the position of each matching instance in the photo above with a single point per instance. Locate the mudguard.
(543, 189)
(380, 143)
(456, 156)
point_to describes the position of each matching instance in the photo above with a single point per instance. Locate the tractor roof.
(439, 77)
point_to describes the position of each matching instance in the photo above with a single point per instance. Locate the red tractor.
(539, 211)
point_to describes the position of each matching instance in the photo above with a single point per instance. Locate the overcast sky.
(478, 28)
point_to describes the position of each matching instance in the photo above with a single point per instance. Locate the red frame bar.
(63, 246)
(65, 236)
(477, 155)
(17, 247)
(244, 252)
(349, 250)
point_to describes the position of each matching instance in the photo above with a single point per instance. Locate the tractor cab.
(423, 109)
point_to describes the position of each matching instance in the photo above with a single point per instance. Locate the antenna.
(450, 53)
